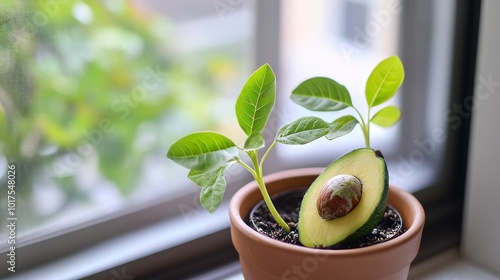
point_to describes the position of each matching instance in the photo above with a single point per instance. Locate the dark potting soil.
(288, 206)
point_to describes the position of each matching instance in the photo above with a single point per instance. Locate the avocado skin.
(376, 215)
(371, 223)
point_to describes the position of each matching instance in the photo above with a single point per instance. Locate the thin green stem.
(255, 161)
(365, 127)
(263, 190)
(360, 117)
(366, 133)
(266, 154)
(238, 160)
(270, 205)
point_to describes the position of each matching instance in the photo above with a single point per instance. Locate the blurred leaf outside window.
(93, 92)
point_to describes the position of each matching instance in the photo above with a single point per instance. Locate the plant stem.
(366, 133)
(263, 189)
(266, 154)
(365, 127)
(270, 205)
(238, 160)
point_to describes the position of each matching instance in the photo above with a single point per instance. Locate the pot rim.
(237, 221)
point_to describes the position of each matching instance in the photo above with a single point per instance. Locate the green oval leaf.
(256, 100)
(302, 131)
(387, 116)
(213, 186)
(384, 81)
(211, 197)
(254, 142)
(322, 94)
(207, 178)
(203, 150)
(341, 127)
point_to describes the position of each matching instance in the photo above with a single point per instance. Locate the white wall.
(481, 238)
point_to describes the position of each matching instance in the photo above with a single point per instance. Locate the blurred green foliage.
(83, 80)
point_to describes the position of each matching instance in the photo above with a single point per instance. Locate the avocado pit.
(339, 196)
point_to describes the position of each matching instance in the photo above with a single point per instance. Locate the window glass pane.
(345, 40)
(340, 40)
(93, 92)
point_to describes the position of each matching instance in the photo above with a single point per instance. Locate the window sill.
(131, 254)
(450, 265)
(112, 259)
(447, 265)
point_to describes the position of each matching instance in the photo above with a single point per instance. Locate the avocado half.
(370, 168)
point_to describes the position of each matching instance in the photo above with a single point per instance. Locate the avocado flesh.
(371, 170)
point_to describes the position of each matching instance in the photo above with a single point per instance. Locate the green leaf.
(384, 81)
(254, 142)
(302, 131)
(387, 116)
(256, 100)
(203, 150)
(341, 127)
(211, 197)
(322, 94)
(213, 186)
(205, 178)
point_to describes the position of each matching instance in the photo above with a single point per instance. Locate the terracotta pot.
(263, 258)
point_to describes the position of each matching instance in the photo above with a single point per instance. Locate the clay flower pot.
(263, 258)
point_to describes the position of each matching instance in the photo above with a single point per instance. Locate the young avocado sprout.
(325, 94)
(208, 155)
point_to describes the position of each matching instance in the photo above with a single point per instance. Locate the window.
(344, 41)
(91, 95)
(321, 48)
(353, 14)
(426, 151)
